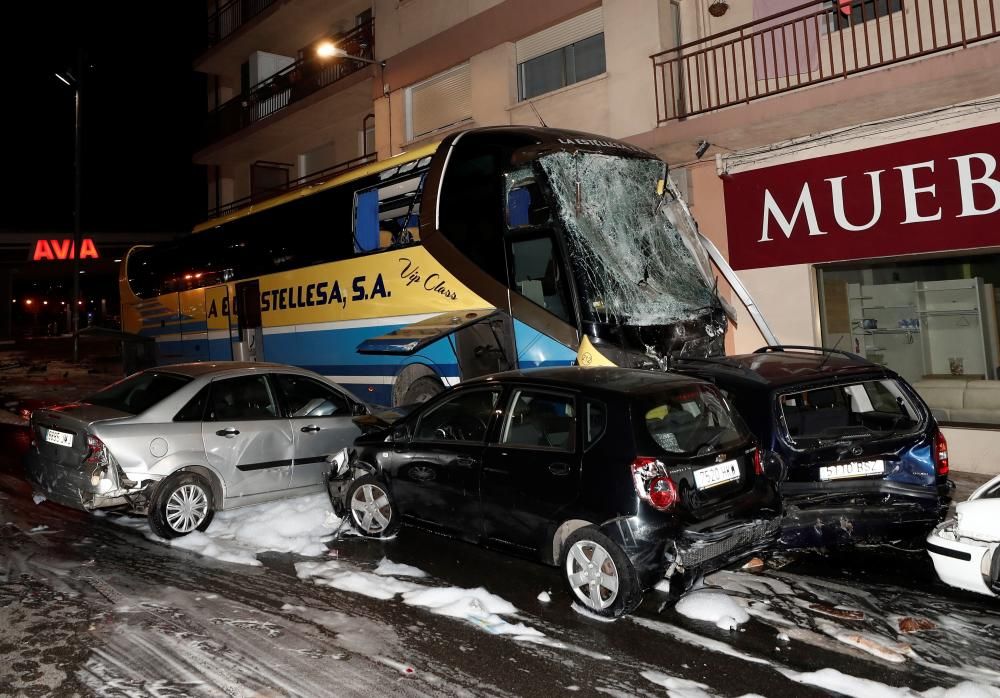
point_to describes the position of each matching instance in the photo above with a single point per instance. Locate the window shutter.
(439, 101)
(569, 32)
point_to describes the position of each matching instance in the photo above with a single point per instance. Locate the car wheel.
(422, 390)
(371, 508)
(599, 575)
(182, 503)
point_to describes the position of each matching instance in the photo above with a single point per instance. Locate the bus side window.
(389, 215)
(366, 237)
(526, 206)
(538, 275)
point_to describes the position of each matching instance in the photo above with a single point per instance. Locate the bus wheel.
(422, 390)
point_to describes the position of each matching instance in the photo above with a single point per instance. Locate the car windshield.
(692, 421)
(634, 264)
(859, 410)
(139, 392)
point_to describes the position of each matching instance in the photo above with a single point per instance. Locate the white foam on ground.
(389, 568)
(544, 597)
(678, 687)
(690, 638)
(838, 682)
(713, 606)
(477, 606)
(299, 525)
(339, 576)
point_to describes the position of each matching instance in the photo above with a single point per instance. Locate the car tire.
(181, 504)
(611, 588)
(422, 390)
(371, 509)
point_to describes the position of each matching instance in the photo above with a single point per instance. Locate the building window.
(934, 322)
(561, 55)
(438, 102)
(852, 12)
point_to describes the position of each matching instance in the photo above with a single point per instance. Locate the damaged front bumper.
(84, 488)
(964, 562)
(819, 515)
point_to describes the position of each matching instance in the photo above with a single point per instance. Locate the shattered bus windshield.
(635, 266)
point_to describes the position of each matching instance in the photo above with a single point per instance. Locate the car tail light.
(663, 493)
(653, 483)
(940, 453)
(758, 465)
(97, 452)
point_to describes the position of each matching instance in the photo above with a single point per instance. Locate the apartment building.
(842, 154)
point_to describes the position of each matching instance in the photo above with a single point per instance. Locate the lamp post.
(75, 82)
(328, 49)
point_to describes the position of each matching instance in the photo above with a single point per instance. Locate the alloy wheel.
(592, 574)
(186, 508)
(371, 509)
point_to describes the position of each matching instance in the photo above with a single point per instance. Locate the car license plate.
(716, 474)
(861, 468)
(59, 438)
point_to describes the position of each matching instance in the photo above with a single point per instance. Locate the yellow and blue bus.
(497, 248)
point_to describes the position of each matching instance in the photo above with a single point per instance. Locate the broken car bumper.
(74, 487)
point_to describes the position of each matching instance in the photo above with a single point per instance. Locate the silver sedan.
(181, 442)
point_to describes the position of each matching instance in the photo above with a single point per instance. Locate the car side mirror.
(358, 409)
(400, 434)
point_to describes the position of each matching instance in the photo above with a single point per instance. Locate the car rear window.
(138, 393)
(691, 421)
(850, 410)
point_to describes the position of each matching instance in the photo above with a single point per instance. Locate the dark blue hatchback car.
(855, 450)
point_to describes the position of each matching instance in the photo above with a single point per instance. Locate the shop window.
(561, 55)
(934, 322)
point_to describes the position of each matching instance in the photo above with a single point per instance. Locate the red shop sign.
(923, 195)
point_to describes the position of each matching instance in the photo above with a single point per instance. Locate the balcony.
(289, 86)
(263, 194)
(230, 17)
(810, 44)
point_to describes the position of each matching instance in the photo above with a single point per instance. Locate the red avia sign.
(63, 249)
(923, 195)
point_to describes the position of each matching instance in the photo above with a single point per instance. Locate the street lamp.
(75, 82)
(328, 49)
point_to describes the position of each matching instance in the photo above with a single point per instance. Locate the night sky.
(142, 104)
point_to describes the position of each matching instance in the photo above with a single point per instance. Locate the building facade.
(841, 153)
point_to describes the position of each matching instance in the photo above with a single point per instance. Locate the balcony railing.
(810, 44)
(230, 17)
(291, 84)
(300, 183)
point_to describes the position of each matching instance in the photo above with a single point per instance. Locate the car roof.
(194, 370)
(782, 367)
(603, 379)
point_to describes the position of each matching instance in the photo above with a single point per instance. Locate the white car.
(966, 549)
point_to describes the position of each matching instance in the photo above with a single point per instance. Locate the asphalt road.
(92, 608)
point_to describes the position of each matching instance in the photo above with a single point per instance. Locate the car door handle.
(310, 427)
(466, 462)
(229, 432)
(559, 469)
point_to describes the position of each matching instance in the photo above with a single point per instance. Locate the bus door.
(486, 347)
(249, 342)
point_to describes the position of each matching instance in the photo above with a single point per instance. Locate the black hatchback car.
(619, 476)
(858, 456)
